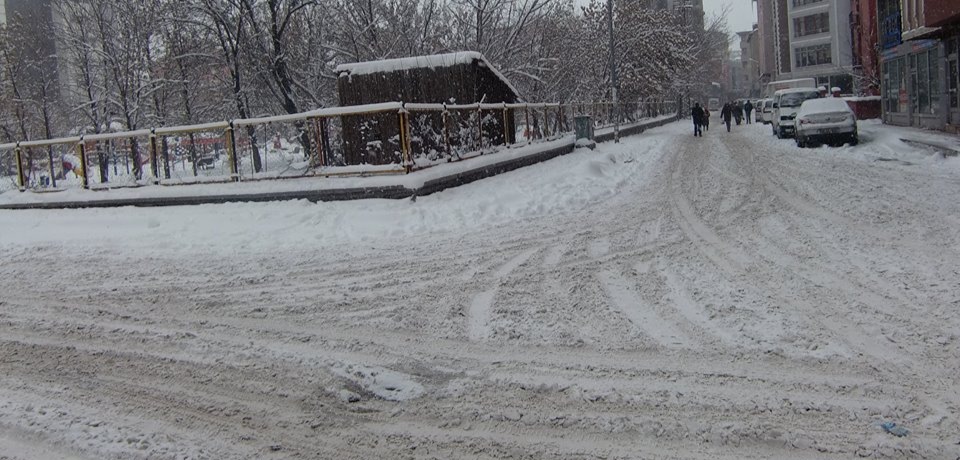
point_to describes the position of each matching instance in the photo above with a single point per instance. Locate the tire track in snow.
(480, 310)
(640, 313)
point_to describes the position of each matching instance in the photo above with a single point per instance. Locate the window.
(795, 99)
(894, 85)
(799, 3)
(811, 24)
(925, 72)
(813, 55)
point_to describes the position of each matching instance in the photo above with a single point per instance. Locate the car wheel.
(854, 140)
(779, 133)
(800, 141)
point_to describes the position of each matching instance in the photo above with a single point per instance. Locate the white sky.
(741, 16)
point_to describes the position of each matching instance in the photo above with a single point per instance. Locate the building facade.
(749, 62)
(773, 30)
(864, 39)
(920, 77)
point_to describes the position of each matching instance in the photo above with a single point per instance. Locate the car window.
(795, 99)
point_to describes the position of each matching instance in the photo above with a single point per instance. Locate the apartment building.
(820, 42)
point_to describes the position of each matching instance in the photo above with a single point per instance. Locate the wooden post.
(232, 153)
(154, 162)
(82, 152)
(21, 178)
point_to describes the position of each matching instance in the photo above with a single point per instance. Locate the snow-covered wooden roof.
(433, 61)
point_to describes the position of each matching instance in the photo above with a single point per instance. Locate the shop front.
(913, 84)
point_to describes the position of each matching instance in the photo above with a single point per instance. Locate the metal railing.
(387, 138)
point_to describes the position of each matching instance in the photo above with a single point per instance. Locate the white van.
(786, 102)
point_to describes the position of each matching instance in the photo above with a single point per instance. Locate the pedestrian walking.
(697, 114)
(738, 112)
(726, 114)
(748, 108)
(706, 118)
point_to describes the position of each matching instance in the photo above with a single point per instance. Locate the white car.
(828, 120)
(786, 102)
(767, 116)
(758, 110)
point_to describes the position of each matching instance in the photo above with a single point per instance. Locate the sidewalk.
(947, 144)
(417, 183)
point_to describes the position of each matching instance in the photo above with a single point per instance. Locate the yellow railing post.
(318, 138)
(479, 129)
(82, 153)
(405, 139)
(446, 131)
(154, 162)
(506, 126)
(21, 178)
(527, 130)
(232, 153)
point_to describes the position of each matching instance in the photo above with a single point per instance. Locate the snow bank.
(561, 185)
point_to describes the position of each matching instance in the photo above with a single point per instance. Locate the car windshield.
(795, 99)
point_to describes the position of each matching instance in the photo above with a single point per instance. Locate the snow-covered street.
(724, 297)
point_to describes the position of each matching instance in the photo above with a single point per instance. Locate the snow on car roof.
(794, 90)
(824, 105)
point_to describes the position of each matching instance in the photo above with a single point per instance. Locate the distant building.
(454, 78)
(774, 40)
(749, 62)
(34, 22)
(691, 11)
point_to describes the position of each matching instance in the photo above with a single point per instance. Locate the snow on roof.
(421, 62)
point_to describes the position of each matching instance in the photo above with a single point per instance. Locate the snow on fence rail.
(386, 138)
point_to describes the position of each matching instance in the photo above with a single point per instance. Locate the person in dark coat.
(748, 109)
(726, 114)
(697, 113)
(706, 118)
(737, 112)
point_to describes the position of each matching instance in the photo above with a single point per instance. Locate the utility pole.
(613, 75)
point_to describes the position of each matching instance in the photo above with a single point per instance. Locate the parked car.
(786, 102)
(713, 104)
(758, 110)
(828, 120)
(767, 112)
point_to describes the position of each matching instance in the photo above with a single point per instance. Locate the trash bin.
(583, 125)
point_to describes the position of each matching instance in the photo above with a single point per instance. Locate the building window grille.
(811, 24)
(799, 3)
(813, 55)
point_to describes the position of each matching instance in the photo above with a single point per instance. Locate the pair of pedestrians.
(700, 120)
